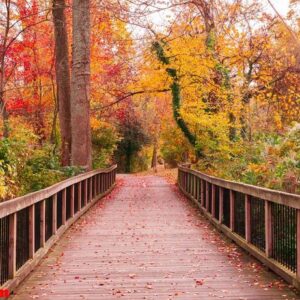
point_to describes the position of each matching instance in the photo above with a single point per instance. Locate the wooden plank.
(43, 223)
(17, 204)
(31, 231)
(79, 195)
(292, 200)
(268, 229)
(213, 201)
(64, 207)
(202, 192)
(221, 205)
(72, 195)
(298, 243)
(54, 214)
(12, 245)
(248, 218)
(158, 250)
(232, 216)
(85, 199)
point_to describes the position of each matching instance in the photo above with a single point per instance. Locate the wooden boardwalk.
(146, 241)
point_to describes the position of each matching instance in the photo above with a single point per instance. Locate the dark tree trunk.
(62, 67)
(80, 85)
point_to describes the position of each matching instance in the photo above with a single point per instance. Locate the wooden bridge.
(90, 238)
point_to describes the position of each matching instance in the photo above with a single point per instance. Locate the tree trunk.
(154, 158)
(80, 85)
(63, 82)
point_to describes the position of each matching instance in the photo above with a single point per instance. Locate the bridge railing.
(31, 224)
(264, 222)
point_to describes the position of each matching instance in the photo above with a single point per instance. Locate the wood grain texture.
(146, 241)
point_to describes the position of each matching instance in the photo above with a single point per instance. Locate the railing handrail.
(288, 199)
(16, 204)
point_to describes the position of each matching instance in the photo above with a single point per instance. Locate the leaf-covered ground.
(146, 241)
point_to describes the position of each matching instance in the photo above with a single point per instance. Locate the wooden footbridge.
(140, 237)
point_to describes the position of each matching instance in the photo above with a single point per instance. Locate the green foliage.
(104, 140)
(26, 167)
(133, 139)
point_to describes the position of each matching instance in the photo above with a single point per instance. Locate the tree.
(63, 81)
(81, 153)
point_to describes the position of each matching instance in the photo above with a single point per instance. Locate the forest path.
(146, 241)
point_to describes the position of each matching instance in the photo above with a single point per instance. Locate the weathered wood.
(248, 218)
(64, 207)
(31, 231)
(221, 199)
(43, 223)
(287, 199)
(17, 204)
(298, 243)
(287, 275)
(232, 216)
(158, 250)
(72, 201)
(85, 199)
(12, 245)
(79, 195)
(202, 192)
(213, 201)
(268, 228)
(207, 196)
(54, 214)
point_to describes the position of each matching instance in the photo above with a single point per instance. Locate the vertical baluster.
(54, 214)
(298, 243)
(90, 189)
(43, 223)
(85, 192)
(207, 195)
(221, 205)
(248, 218)
(202, 193)
(64, 207)
(12, 245)
(72, 200)
(31, 231)
(79, 195)
(232, 217)
(196, 187)
(268, 228)
(95, 186)
(213, 200)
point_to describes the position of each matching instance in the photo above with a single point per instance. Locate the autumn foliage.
(216, 84)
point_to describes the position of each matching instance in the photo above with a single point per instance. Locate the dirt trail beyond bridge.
(146, 241)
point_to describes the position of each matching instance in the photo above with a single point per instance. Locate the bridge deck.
(145, 241)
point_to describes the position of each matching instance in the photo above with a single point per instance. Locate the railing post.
(79, 195)
(213, 200)
(72, 200)
(268, 228)
(232, 216)
(42, 222)
(85, 192)
(202, 193)
(12, 245)
(95, 185)
(31, 231)
(221, 206)
(54, 214)
(248, 218)
(64, 207)
(298, 242)
(195, 187)
(207, 196)
(90, 189)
